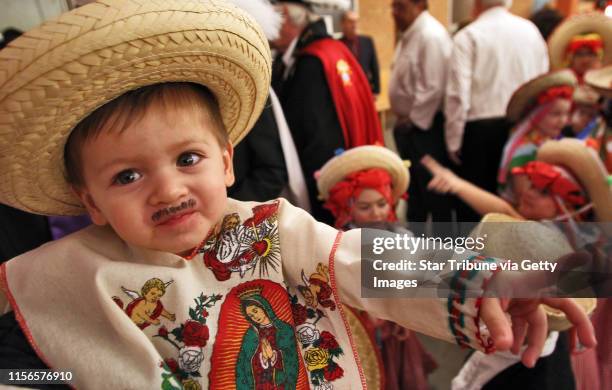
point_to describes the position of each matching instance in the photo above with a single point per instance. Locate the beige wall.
(522, 7)
(375, 20)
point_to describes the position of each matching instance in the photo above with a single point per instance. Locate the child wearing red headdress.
(361, 188)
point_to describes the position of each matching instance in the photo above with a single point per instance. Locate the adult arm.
(458, 90)
(429, 80)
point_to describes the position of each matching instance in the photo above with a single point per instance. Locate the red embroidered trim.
(332, 282)
(488, 346)
(20, 318)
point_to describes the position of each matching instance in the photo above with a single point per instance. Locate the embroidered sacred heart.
(261, 247)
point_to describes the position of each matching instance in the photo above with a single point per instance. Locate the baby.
(131, 115)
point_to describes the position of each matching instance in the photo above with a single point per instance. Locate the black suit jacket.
(366, 55)
(21, 232)
(259, 164)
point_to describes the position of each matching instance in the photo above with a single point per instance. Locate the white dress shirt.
(491, 58)
(416, 88)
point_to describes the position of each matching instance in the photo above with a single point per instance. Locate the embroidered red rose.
(204, 313)
(172, 364)
(300, 313)
(328, 341)
(333, 372)
(162, 332)
(195, 334)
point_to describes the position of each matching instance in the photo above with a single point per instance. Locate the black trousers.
(412, 144)
(481, 153)
(551, 372)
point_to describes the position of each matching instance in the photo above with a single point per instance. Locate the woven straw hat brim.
(525, 97)
(586, 167)
(519, 240)
(366, 350)
(585, 95)
(55, 75)
(600, 80)
(360, 158)
(592, 22)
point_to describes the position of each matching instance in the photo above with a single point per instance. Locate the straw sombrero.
(360, 158)
(516, 240)
(600, 80)
(586, 167)
(583, 94)
(367, 350)
(55, 75)
(592, 22)
(525, 97)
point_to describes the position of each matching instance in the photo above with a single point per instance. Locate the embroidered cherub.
(146, 307)
(316, 289)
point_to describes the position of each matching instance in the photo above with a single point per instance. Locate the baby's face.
(161, 183)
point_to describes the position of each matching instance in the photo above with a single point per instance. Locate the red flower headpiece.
(559, 182)
(592, 42)
(342, 195)
(558, 92)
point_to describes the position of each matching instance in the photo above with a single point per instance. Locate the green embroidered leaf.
(193, 315)
(166, 384)
(178, 333)
(336, 352)
(317, 375)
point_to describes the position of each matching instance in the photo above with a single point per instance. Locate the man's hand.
(528, 322)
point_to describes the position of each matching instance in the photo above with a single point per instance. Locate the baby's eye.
(126, 177)
(187, 159)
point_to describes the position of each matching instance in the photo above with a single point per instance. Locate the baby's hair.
(118, 114)
(153, 283)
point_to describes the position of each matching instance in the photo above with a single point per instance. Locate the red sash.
(351, 92)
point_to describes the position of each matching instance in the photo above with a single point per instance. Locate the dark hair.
(546, 20)
(118, 114)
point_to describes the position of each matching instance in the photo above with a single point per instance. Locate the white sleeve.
(430, 80)
(306, 242)
(458, 90)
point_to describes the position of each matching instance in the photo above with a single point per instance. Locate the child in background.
(553, 191)
(581, 43)
(130, 110)
(361, 187)
(541, 108)
(601, 81)
(566, 184)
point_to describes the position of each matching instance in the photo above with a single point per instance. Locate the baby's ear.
(228, 163)
(94, 212)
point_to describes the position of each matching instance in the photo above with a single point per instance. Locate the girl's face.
(536, 204)
(370, 206)
(584, 60)
(553, 122)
